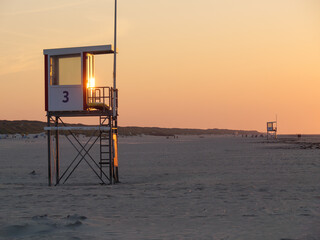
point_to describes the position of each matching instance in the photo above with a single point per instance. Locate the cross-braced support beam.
(55, 123)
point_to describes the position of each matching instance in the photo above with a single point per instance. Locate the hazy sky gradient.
(189, 64)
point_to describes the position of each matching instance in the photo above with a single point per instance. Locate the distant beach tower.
(70, 91)
(272, 129)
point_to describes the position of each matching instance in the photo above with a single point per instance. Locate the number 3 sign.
(66, 96)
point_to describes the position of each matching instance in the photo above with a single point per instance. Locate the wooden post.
(49, 151)
(57, 152)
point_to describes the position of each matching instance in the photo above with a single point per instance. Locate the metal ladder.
(106, 148)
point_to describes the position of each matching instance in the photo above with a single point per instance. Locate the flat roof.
(100, 49)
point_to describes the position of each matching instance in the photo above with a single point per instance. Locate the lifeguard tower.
(272, 129)
(70, 91)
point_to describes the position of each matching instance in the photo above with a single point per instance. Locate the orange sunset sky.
(188, 64)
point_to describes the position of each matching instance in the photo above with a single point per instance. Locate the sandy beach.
(192, 187)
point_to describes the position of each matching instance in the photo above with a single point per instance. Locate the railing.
(99, 98)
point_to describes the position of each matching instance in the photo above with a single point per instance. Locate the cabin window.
(65, 70)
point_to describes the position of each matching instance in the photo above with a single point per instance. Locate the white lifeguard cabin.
(70, 80)
(272, 129)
